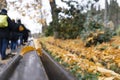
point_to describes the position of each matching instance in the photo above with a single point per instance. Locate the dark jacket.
(25, 32)
(26, 35)
(14, 32)
(5, 32)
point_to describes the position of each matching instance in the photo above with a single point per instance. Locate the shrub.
(94, 31)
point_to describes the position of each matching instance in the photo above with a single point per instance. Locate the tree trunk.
(117, 11)
(106, 13)
(43, 19)
(54, 17)
(114, 12)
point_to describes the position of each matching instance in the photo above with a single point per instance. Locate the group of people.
(10, 33)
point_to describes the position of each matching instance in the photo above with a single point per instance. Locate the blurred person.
(26, 35)
(14, 37)
(5, 30)
(21, 31)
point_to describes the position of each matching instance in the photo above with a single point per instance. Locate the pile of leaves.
(98, 37)
(86, 63)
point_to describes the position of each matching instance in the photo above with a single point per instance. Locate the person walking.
(14, 37)
(21, 31)
(26, 35)
(6, 26)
